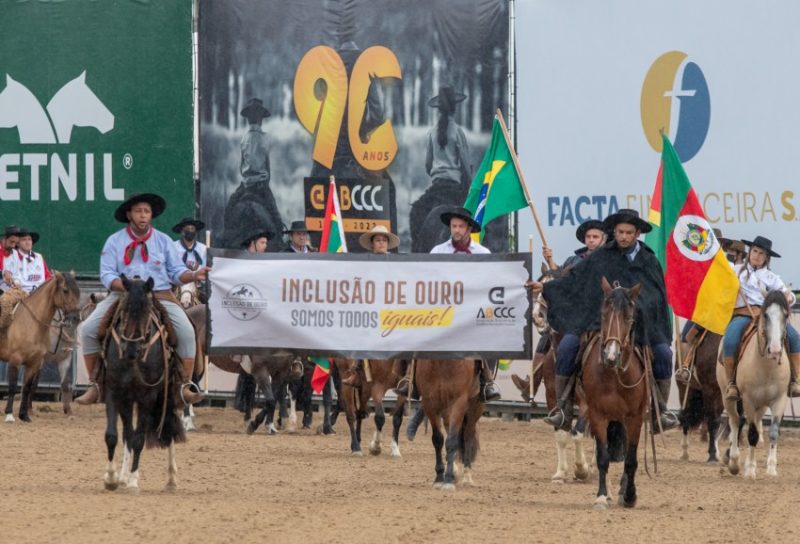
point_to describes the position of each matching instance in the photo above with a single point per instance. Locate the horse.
(26, 340)
(21, 109)
(76, 105)
(615, 387)
(141, 372)
(762, 377)
(450, 392)
(188, 294)
(355, 398)
(703, 400)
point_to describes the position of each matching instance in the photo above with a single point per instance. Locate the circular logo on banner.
(694, 238)
(244, 302)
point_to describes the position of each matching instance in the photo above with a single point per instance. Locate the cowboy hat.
(254, 109)
(763, 243)
(255, 234)
(11, 230)
(447, 96)
(366, 239)
(157, 205)
(199, 225)
(586, 226)
(626, 215)
(297, 226)
(27, 232)
(461, 213)
(724, 242)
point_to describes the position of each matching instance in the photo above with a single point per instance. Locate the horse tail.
(694, 413)
(616, 441)
(469, 442)
(245, 396)
(158, 434)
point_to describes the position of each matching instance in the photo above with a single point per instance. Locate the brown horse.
(27, 339)
(615, 387)
(704, 400)
(451, 400)
(355, 398)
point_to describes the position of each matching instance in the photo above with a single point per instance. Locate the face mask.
(189, 236)
(731, 258)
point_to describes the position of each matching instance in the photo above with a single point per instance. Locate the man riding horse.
(574, 308)
(141, 250)
(27, 269)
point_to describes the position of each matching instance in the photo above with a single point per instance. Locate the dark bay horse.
(615, 386)
(142, 383)
(27, 339)
(355, 399)
(451, 400)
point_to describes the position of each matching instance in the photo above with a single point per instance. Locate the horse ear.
(606, 286)
(634, 291)
(126, 283)
(149, 284)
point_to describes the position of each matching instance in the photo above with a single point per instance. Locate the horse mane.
(137, 303)
(776, 297)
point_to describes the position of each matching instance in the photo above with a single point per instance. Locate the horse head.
(20, 108)
(67, 298)
(76, 105)
(617, 315)
(135, 306)
(189, 295)
(774, 315)
(374, 113)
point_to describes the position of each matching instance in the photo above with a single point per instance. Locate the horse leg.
(753, 434)
(627, 490)
(28, 381)
(603, 461)
(581, 465)
(126, 413)
(397, 422)
(280, 392)
(438, 443)
(188, 418)
(453, 441)
(137, 445)
(172, 469)
(774, 432)
(380, 420)
(352, 422)
(712, 421)
(561, 457)
(13, 377)
(270, 403)
(292, 412)
(735, 423)
(110, 481)
(66, 388)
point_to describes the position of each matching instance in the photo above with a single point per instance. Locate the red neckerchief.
(462, 248)
(130, 250)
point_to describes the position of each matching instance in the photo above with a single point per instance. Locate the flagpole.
(521, 177)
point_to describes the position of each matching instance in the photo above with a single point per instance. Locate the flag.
(322, 369)
(496, 188)
(701, 284)
(333, 240)
(504, 364)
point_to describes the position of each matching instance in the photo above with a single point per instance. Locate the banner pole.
(205, 348)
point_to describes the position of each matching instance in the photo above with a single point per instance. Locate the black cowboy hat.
(254, 109)
(763, 243)
(28, 232)
(255, 234)
(199, 225)
(724, 242)
(626, 215)
(297, 226)
(587, 226)
(157, 204)
(447, 96)
(461, 213)
(11, 230)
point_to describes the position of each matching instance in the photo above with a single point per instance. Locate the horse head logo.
(75, 104)
(20, 108)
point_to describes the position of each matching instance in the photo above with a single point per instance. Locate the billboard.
(293, 92)
(95, 104)
(600, 79)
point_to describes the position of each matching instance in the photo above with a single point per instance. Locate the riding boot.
(489, 389)
(352, 376)
(404, 385)
(668, 419)
(188, 395)
(561, 416)
(729, 364)
(413, 424)
(794, 364)
(92, 394)
(682, 374)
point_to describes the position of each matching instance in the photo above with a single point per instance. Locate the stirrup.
(732, 392)
(556, 415)
(402, 386)
(191, 385)
(682, 375)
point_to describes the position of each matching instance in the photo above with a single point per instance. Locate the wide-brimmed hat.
(255, 234)
(254, 109)
(297, 226)
(724, 242)
(366, 239)
(763, 243)
(447, 97)
(199, 225)
(626, 215)
(580, 234)
(11, 230)
(157, 204)
(461, 213)
(28, 232)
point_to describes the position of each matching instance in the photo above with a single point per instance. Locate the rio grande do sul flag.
(701, 284)
(333, 240)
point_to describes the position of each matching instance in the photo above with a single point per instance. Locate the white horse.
(188, 295)
(75, 105)
(762, 377)
(20, 108)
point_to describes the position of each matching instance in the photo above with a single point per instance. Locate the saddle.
(8, 303)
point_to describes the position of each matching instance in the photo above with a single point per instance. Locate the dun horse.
(451, 400)
(615, 387)
(142, 372)
(27, 339)
(762, 377)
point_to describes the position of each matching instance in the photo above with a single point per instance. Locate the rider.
(574, 307)
(10, 243)
(462, 225)
(298, 238)
(755, 279)
(27, 268)
(192, 252)
(141, 250)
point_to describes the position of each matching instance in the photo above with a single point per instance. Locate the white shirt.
(29, 271)
(191, 261)
(755, 284)
(449, 248)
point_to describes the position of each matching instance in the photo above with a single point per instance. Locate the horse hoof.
(626, 504)
(375, 451)
(132, 490)
(10, 418)
(250, 429)
(171, 488)
(357, 453)
(111, 486)
(712, 461)
(733, 469)
(25, 418)
(582, 474)
(601, 503)
(438, 485)
(448, 487)
(685, 456)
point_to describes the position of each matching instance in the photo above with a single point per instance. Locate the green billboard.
(95, 104)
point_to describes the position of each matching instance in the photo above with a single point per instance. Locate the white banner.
(597, 80)
(382, 307)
